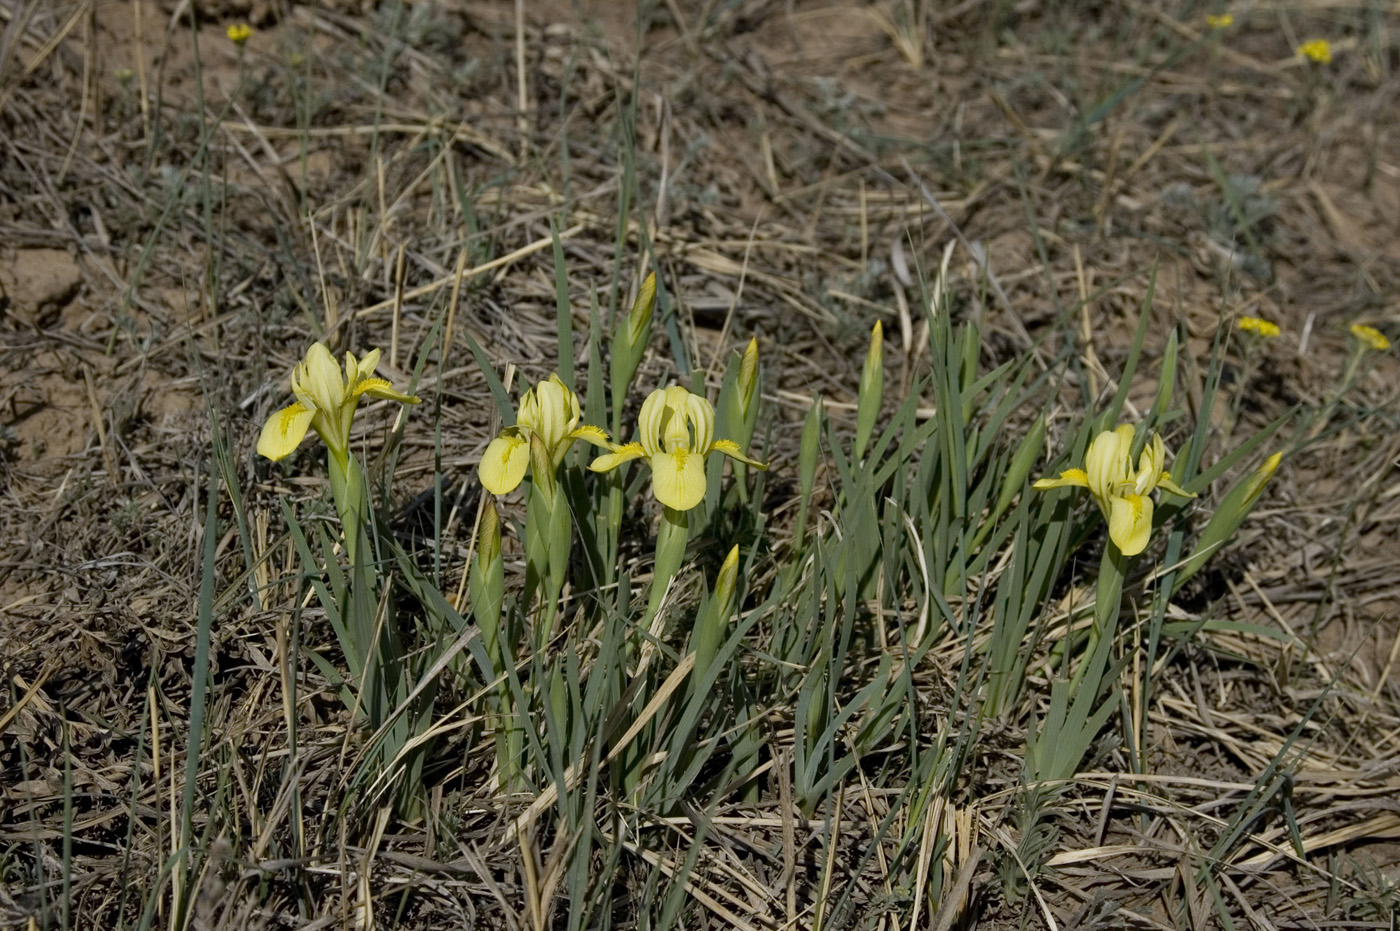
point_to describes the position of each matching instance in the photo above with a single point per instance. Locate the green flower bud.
(872, 389)
(1233, 509)
(712, 622)
(486, 581)
(727, 580)
(739, 404)
(639, 320)
(748, 377)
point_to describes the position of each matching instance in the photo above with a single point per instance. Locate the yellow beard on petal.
(285, 418)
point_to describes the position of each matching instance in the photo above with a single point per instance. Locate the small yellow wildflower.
(1318, 50)
(1264, 328)
(1222, 21)
(326, 402)
(677, 433)
(1121, 491)
(239, 33)
(1370, 336)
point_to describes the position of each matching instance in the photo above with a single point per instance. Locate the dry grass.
(178, 223)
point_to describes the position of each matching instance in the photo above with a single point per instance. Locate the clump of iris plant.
(327, 397)
(326, 400)
(545, 429)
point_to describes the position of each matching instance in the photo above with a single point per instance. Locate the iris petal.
(368, 364)
(383, 388)
(1075, 477)
(678, 478)
(590, 434)
(1130, 523)
(732, 450)
(284, 431)
(619, 455)
(1166, 484)
(321, 378)
(650, 420)
(504, 462)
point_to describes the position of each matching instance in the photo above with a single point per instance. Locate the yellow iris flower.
(1121, 491)
(549, 411)
(326, 402)
(677, 432)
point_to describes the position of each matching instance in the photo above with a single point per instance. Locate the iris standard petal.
(1102, 465)
(527, 413)
(702, 420)
(541, 414)
(676, 420)
(1118, 462)
(1149, 470)
(678, 478)
(284, 431)
(504, 462)
(367, 365)
(321, 379)
(1130, 523)
(559, 412)
(651, 419)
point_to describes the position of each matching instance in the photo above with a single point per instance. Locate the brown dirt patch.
(36, 284)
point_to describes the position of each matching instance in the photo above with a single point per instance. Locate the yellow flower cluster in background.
(1222, 21)
(239, 33)
(1318, 50)
(1370, 336)
(1265, 328)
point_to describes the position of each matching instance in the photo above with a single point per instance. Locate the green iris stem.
(374, 645)
(1108, 597)
(548, 533)
(348, 490)
(671, 539)
(1349, 375)
(610, 522)
(487, 581)
(1316, 422)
